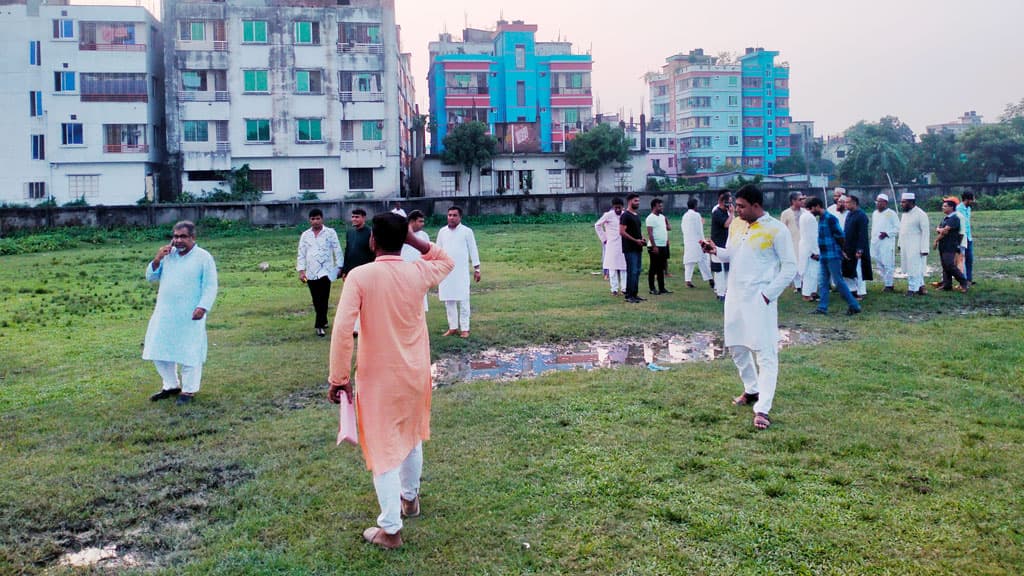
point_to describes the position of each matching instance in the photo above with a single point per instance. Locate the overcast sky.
(925, 61)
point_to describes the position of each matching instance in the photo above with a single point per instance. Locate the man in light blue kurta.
(177, 330)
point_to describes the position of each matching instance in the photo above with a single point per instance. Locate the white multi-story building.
(81, 101)
(312, 95)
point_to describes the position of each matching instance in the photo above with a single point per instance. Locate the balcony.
(114, 98)
(359, 48)
(465, 90)
(98, 47)
(208, 45)
(357, 96)
(565, 91)
(357, 145)
(362, 154)
(204, 96)
(126, 148)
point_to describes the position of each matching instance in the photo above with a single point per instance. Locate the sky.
(924, 61)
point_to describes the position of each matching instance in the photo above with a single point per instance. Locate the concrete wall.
(294, 213)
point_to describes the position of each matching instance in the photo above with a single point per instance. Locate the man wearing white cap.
(838, 207)
(914, 231)
(884, 226)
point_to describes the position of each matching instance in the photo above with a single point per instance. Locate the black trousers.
(659, 262)
(950, 271)
(320, 290)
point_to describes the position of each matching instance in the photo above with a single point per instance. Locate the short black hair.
(389, 231)
(967, 196)
(416, 215)
(359, 212)
(631, 195)
(692, 203)
(950, 202)
(456, 208)
(751, 193)
(617, 201)
(855, 200)
(316, 212)
(812, 202)
(723, 194)
(656, 201)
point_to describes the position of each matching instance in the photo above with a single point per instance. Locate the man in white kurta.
(914, 245)
(410, 254)
(692, 226)
(458, 241)
(760, 251)
(176, 336)
(790, 217)
(885, 224)
(807, 256)
(607, 228)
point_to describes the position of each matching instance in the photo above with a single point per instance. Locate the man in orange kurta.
(392, 395)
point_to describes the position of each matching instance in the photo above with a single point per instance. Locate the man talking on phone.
(176, 337)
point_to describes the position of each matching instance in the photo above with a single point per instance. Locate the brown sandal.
(761, 421)
(744, 399)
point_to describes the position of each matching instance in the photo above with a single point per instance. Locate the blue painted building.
(766, 117)
(534, 96)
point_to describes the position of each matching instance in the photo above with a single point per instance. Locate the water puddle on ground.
(533, 361)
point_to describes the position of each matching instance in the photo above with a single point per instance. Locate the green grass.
(897, 445)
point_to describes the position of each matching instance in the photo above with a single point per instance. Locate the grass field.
(897, 445)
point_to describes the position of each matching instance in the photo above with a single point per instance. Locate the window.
(106, 35)
(262, 180)
(63, 29)
(359, 32)
(734, 100)
(571, 116)
(449, 183)
(257, 130)
(360, 178)
(734, 121)
(256, 80)
(83, 185)
(254, 31)
(307, 32)
(309, 82)
(63, 81)
(520, 56)
(311, 179)
(373, 130)
(573, 180)
(193, 30)
(192, 80)
(732, 80)
(35, 190)
(35, 103)
(525, 180)
(71, 134)
(38, 147)
(368, 83)
(308, 130)
(205, 176)
(114, 87)
(782, 102)
(520, 93)
(196, 130)
(734, 140)
(35, 55)
(752, 122)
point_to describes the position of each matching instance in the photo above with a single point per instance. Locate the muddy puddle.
(533, 361)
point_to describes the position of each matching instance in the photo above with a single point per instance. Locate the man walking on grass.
(176, 336)
(721, 220)
(965, 209)
(807, 255)
(948, 244)
(693, 233)
(318, 264)
(458, 241)
(393, 386)
(760, 250)
(857, 263)
(830, 255)
(914, 245)
(790, 217)
(885, 224)
(632, 247)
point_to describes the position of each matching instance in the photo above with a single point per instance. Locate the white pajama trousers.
(914, 265)
(809, 281)
(458, 314)
(395, 484)
(761, 378)
(703, 265)
(190, 376)
(617, 279)
(857, 285)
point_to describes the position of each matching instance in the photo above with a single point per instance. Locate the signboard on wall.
(519, 137)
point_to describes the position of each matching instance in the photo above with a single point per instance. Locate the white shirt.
(460, 244)
(607, 228)
(914, 231)
(410, 254)
(319, 254)
(762, 265)
(692, 226)
(399, 211)
(659, 228)
(841, 216)
(808, 240)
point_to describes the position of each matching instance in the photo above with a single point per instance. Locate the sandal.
(761, 421)
(744, 399)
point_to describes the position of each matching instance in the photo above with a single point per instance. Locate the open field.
(897, 445)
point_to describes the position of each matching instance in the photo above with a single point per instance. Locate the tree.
(794, 164)
(471, 147)
(939, 154)
(598, 147)
(993, 150)
(878, 152)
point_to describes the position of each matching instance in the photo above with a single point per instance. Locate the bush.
(1008, 200)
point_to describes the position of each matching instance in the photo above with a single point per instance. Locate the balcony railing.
(359, 48)
(96, 46)
(204, 96)
(566, 91)
(114, 98)
(215, 45)
(466, 90)
(357, 96)
(126, 148)
(224, 147)
(354, 145)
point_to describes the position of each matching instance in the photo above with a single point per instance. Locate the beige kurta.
(392, 382)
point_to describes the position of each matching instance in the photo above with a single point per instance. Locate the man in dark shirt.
(632, 246)
(830, 254)
(721, 219)
(948, 243)
(857, 264)
(357, 243)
